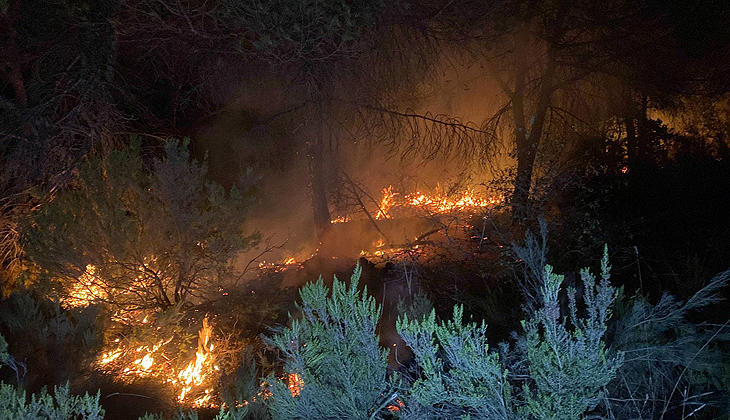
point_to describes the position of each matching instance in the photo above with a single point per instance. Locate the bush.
(334, 351)
(459, 375)
(562, 363)
(53, 343)
(138, 237)
(59, 406)
(673, 366)
(567, 358)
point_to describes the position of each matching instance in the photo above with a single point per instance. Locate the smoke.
(266, 129)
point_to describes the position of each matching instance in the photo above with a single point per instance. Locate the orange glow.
(436, 202)
(295, 384)
(396, 407)
(192, 382)
(386, 203)
(441, 202)
(85, 290)
(193, 375)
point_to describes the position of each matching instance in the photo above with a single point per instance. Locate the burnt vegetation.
(175, 175)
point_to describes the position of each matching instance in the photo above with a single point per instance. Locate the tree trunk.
(318, 183)
(11, 54)
(527, 143)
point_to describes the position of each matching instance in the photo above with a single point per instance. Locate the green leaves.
(568, 362)
(562, 365)
(59, 406)
(460, 376)
(335, 352)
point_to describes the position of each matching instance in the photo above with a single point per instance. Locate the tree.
(58, 102)
(567, 70)
(138, 237)
(318, 41)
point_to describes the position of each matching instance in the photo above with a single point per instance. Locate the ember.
(295, 384)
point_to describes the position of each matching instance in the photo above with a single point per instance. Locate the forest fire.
(192, 384)
(85, 290)
(440, 201)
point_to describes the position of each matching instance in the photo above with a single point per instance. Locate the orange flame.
(193, 375)
(295, 384)
(85, 290)
(440, 202)
(437, 202)
(191, 383)
(386, 203)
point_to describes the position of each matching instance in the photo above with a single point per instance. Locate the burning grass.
(394, 204)
(192, 381)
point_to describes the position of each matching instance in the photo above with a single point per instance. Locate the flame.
(395, 407)
(193, 375)
(85, 290)
(191, 383)
(386, 203)
(295, 384)
(440, 202)
(436, 202)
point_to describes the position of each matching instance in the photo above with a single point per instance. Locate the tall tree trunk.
(527, 143)
(318, 182)
(643, 143)
(11, 55)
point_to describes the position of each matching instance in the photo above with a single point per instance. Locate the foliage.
(59, 406)
(50, 343)
(233, 413)
(570, 366)
(245, 386)
(139, 237)
(562, 368)
(667, 355)
(460, 376)
(308, 31)
(335, 351)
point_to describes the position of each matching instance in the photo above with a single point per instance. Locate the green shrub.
(460, 376)
(335, 351)
(53, 343)
(673, 366)
(142, 237)
(567, 357)
(60, 406)
(235, 413)
(561, 362)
